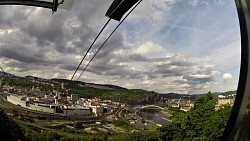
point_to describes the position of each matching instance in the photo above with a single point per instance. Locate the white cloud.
(148, 82)
(56, 75)
(227, 76)
(214, 73)
(128, 85)
(151, 9)
(193, 2)
(185, 86)
(158, 58)
(151, 49)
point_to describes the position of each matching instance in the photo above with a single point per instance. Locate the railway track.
(120, 115)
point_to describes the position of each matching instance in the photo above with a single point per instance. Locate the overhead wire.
(90, 48)
(3, 70)
(108, 38)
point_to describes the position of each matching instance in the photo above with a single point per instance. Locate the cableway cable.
(2, 70)
(89, 49)
(108, 38)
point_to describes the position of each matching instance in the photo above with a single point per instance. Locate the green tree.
(9, 129)
(77, 124)
(143, 120)
(15, 113)
(200, 123)
(34, 137)
(51, 136)
(118, 122)
(104, 121)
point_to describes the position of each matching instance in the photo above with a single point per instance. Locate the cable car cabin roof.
(51, 4)
(119, 7)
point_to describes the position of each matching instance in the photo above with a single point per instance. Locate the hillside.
(185, 96)
(86, 90)
(80, 83)
(228, 93)
(133, 96)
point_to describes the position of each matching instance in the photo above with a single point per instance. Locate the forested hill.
(101, 86)
(75, 83)
(133, 96)
(10, 130)
(87, 90)
(185, 96)
(228, 93)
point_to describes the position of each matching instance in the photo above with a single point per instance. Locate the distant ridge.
(114, 87)
(66, 81)
(78, 83)
(189, 96)
(108, 86)
(5, 74)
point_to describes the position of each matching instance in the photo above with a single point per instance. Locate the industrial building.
(24, 102)
(77, 110)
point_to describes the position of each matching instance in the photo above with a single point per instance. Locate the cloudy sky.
(184, 46)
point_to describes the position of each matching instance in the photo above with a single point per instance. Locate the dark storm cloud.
(16, 64)
(21, 54)
(194, 81)
(175, 60)
(204, 69)
(180, 81)
(114, 43)
(132, 57)
(45, 42)
(198, 79)
(67, 67)
(64, 32)
(12, 14)
(137, 58)
(67, 32)
(101, 67)
(23, 66)
(91, 12)
(166, 72)
(39, 32)
(170, 66)
(171, 72)
(57, 31)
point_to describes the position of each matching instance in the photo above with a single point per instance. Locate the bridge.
(149, 107)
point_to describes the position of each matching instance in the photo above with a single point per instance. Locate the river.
(157, 117)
